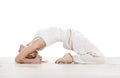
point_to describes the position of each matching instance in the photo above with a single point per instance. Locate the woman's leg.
(89, 58)
(36, 44)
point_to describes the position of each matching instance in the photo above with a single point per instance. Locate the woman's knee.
(88, 59)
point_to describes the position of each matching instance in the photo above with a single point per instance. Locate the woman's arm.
(36, 44)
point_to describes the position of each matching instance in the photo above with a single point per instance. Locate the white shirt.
(72, 39)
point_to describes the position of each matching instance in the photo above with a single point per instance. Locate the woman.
(73, 40)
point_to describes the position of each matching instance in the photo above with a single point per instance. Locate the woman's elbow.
(18, 60)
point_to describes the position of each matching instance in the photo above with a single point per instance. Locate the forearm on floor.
(24, 61)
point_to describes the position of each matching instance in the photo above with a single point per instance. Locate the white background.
(98, 20)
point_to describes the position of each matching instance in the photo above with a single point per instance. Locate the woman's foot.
(66, 59)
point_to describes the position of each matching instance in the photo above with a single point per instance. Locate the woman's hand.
(37, 60)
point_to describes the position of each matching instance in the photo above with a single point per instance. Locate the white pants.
(72, 40)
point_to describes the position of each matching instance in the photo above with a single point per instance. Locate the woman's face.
(32, 55)
(35, 56)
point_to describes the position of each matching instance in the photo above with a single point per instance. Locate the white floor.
(9, 69)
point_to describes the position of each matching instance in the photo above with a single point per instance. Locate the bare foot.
(66, 59)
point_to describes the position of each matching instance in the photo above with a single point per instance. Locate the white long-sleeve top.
(72, 39)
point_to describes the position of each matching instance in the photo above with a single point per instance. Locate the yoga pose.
(73, 40)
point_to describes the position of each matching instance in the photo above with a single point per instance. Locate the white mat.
(9, 69)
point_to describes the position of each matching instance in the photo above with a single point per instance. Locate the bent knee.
(88, 60)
